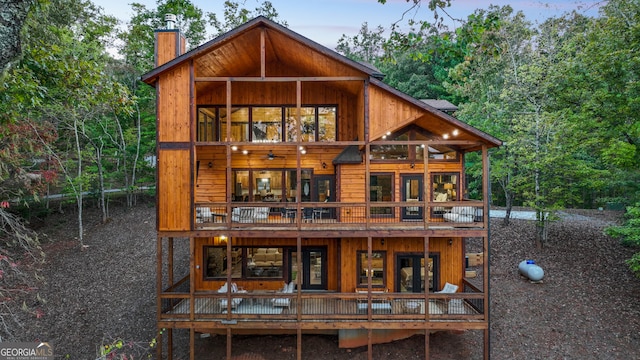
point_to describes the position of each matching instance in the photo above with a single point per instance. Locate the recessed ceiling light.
(234, 148)
(445, 136)
(245, 152)
(456, 132)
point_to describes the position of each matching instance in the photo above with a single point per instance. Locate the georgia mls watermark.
(26, 351)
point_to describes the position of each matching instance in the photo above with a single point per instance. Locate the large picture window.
(246, 262)
(378, 269)
(215, 262)
(267, 123)
(269, 185)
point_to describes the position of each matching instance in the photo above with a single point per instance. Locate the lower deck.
(339, 310)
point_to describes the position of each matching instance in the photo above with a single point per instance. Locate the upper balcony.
(459, 215)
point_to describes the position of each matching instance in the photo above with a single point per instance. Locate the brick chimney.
(170, 43)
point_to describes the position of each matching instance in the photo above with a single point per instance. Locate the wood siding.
(169, 45)
(451, 267)
(174, 190)
(174, 111)
(387, 112)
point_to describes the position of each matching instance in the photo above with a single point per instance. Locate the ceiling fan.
(271, 156)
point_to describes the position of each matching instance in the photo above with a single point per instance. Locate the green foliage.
(629, 232)
(629, 235)
(236, 15)
(120, 349)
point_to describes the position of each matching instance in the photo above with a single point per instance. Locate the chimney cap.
(170, 19)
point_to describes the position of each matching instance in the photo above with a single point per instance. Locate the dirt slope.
(586, 308)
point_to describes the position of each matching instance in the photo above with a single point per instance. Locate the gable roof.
(236, 53)
(241, 46)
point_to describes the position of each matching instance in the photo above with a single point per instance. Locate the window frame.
(392, 193)
(217, 126)
(360, 267)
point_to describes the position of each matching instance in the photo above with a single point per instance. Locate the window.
(270, 185)
(381, 190)
(264, 263)
(378, 269)
(444, 186)
(215, 262)
(260, 263)
(267, 123)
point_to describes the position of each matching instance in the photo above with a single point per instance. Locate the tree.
(236, 15)
(508, 81)
(366, 46)
(12, 15)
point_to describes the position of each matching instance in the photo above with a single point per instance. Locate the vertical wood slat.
(169, 45)
(173, 189)
(173, 118)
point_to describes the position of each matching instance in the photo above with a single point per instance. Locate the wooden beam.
(328, 325)
(263, 56)
(347, 231)
(278, 78)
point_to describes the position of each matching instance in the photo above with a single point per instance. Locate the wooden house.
(310, 196)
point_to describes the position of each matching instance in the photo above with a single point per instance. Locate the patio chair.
(454, 306)
(234, 301)
(284, 301)
(308, 215)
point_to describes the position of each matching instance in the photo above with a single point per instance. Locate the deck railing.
(462, 214)
(313, 307)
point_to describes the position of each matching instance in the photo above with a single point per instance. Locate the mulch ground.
(586, 308)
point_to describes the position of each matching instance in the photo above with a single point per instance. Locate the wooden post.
(158, 292)
(192, 344)
(229, 343)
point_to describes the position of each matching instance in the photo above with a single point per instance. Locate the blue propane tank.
(532, 271)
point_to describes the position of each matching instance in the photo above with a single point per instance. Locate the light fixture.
(413, 165)
(245, 152)
(388, 133)
(382, 242)
(324, 165)
(450, 242)
(234, 148)
(384, 137)
(445, 136)
(210, 164)
(456, 132)
(302, 150)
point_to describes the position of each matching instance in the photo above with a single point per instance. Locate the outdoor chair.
(454, 306)
(234, 301)
(284, 301)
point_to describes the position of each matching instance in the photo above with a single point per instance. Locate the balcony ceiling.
(284, 57)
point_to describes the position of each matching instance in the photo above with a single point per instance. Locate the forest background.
(563, 95)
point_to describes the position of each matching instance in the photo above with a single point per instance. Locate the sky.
(325, 21)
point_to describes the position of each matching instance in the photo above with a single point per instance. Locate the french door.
(314, 268)
(412, 192)
(411, 272)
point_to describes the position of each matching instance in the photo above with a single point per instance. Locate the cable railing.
(313, 307)
(461, 214)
